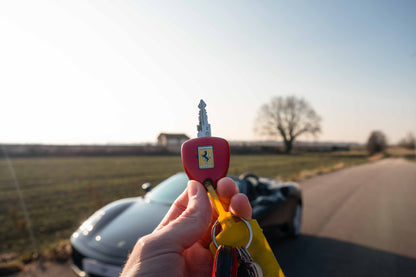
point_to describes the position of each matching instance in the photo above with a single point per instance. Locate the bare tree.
(376, 143)
(288, 117)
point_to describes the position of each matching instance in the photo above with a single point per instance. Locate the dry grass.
(376, 157)
(305, 174)
(10, 267)
(401, 152)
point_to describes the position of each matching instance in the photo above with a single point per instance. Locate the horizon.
(277, 141)
(105, 73)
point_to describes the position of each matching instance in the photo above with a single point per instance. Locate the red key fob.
(206, 158)
(225, 262)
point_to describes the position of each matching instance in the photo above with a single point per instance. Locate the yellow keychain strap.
(259, 248)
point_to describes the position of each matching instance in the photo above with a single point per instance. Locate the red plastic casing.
(225, 262)
(206, 158)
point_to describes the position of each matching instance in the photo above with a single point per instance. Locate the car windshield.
(167, 191)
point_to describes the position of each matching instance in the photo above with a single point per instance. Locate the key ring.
(214, 227)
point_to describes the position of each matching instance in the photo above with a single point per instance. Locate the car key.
(256, 247)
(225, 262)
(206, 160)
(247, 268)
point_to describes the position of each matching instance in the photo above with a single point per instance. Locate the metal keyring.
(214, 227)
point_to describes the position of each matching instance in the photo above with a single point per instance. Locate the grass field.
(60, 193)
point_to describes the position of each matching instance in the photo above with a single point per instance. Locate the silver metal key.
(204, 128)
(247, 266)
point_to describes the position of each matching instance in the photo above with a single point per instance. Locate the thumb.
(192, 224)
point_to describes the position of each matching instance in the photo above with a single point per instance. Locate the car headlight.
(89, 224)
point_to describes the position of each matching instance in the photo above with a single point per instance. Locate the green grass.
(60, 193)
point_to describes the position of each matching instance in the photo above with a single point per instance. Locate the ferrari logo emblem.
(205, 157)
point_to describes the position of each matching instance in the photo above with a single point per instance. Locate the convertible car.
(102, 243)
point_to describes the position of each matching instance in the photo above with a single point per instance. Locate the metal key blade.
(204, 129)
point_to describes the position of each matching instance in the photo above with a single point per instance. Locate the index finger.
(233, 201)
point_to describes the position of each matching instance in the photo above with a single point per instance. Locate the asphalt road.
(359, 221)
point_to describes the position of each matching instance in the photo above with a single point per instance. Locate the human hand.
(179, 246)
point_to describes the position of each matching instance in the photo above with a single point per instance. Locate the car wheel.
(296, 223)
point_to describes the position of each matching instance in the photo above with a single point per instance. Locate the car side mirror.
(147, 187)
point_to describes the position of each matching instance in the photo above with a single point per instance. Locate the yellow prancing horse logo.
(205, 157)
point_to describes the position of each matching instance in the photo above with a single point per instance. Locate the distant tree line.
(408, 142)
(377, 142)
(41, 150)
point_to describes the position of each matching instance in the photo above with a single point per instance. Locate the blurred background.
(98, 96)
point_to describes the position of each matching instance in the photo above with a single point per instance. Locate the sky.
(97, 72)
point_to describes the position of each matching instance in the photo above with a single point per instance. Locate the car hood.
(138, 220)
(117, 237)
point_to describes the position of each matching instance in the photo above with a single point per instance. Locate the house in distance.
(172, 142)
